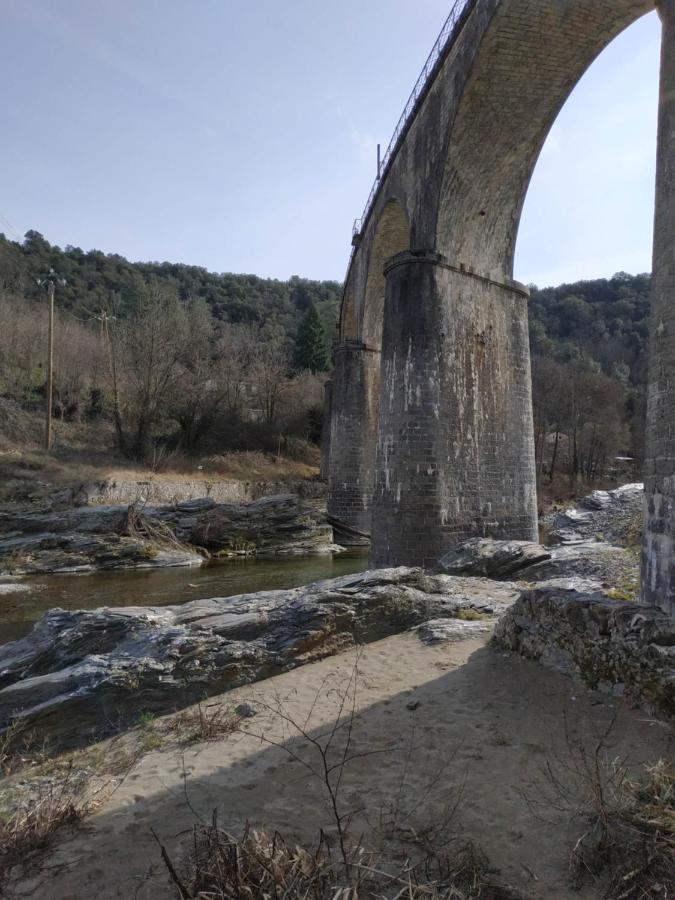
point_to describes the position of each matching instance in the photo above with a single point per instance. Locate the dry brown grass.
(86, 452)
(205, 723)
(263, 864)
(252, 465)
(33, 825)
(627, 848)
(630, 839)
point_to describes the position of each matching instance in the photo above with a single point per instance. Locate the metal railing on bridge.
(448, 31)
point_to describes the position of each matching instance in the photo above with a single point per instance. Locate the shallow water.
(20, 607)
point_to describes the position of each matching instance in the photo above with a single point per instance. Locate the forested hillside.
(171, 353)
(92, 278)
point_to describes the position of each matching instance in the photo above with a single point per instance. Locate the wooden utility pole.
(50, 366)
(49, 283)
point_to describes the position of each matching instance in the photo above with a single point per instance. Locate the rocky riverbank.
(78, 672)
(89, 538)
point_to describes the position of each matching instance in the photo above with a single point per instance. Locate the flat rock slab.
(45, 554)
(78, 675)
(610, 566)
(437, 631)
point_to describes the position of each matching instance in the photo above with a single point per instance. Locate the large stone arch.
(528, 61)
(454, 454)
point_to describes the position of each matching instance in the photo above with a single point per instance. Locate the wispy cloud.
(365, 144)
(71, 32)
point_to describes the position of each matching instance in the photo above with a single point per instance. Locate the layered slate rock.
(587, 561)
(610, 645)
(78, 675)
(271, 525)
(609, 516)
(611, 567)
(118, 537)
(492, 558)
(51, 553)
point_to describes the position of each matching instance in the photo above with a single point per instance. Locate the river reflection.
(21, 607)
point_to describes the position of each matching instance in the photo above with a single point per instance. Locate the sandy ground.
(469, 720)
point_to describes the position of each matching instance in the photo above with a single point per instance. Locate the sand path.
(482, 719)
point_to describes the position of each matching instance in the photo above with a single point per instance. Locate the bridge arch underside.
(529, 60)
(455, 454)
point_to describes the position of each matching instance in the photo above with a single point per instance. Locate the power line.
(11, 228)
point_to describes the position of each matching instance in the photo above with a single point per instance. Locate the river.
(23, 603)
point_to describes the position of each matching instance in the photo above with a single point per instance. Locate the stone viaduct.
(431, 437)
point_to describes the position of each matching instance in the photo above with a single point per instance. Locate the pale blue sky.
(241, 137)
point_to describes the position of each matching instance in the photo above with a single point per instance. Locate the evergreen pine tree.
(310, 351)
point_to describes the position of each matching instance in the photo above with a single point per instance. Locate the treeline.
(173, 355)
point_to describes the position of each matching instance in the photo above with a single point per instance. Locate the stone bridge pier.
(353, 434)
(431, 426)
(658, 547)
(455, 453)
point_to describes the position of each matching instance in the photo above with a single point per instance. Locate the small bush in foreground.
(206, 723)
(263, 864)
(631, 835)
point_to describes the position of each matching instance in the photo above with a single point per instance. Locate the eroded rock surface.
(492, 558)
(614, 568)
(119, 537)
(610, 516)
(79, 674)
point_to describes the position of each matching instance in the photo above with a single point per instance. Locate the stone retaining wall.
(161, 492)
(620, 647)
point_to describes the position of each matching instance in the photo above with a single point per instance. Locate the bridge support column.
(658, 547)
(455, 452)
(353, 434)
(325, 430)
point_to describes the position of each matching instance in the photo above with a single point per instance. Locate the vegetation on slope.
(171, 356)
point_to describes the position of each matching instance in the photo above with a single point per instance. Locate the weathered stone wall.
(455, 450)
(356, 388)
(620, 647)
(658, 549)
(325, 430)
(163, 491)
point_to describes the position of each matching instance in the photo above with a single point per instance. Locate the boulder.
(443, 631)
(492, 558)
(614, 646)
(611, 516)
(78, 675)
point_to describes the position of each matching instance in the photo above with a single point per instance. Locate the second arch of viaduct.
(430, 430)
